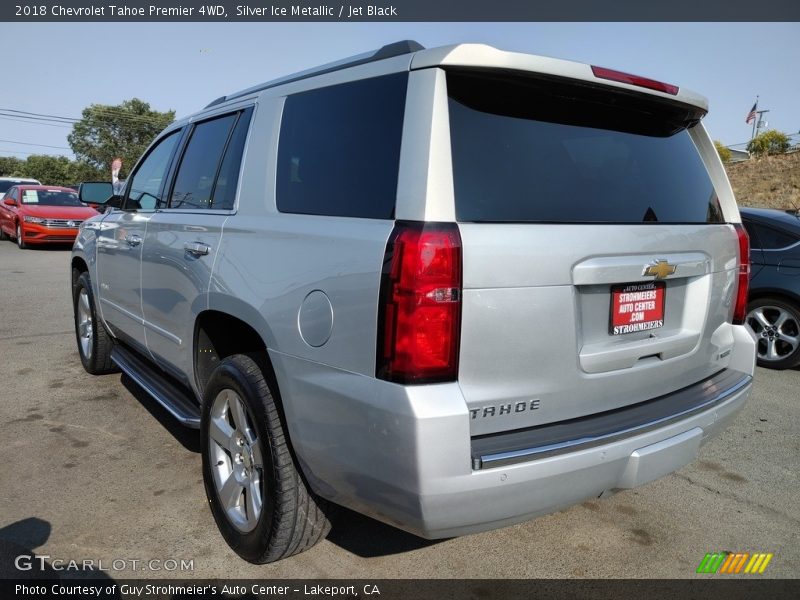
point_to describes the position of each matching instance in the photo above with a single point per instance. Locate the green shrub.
(769, 142)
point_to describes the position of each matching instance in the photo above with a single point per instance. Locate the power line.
(24, 112)
(6, 150)
(30, 144)
(34, 122)
(33, 118)
(102, 111)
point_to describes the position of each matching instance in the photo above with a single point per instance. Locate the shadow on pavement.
(368, 538)
(19, 561)
(188, 438)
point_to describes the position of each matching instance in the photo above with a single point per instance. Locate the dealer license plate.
(637, 307)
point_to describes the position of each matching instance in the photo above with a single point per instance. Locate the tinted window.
(194, 183)
(145, 188)
(523, 153)
(5, 184)
(751, 233)
(225, 188)
(340, 149)
(772, 239)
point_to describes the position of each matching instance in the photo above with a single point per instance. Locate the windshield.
(50, 198)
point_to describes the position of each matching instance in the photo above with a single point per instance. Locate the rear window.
(533, 151)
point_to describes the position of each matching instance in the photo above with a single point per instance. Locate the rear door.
(599, 270)
(183, 237)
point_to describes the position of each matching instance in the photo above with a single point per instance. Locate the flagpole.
(753, 135)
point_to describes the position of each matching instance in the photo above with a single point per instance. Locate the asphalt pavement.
(92, 470)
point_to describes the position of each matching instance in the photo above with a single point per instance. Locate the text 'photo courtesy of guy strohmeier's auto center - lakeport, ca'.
(419, 302)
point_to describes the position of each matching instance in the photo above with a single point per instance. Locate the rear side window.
(340, 149)
(533, 152)
(209, 168)
(768, 238)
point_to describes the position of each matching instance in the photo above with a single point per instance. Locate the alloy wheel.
(777, 332)
(85, 324)
(236, 460)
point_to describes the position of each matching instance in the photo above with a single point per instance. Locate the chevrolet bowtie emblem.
(659, 269)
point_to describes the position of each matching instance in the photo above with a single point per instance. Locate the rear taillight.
(636, 80)
(740, 309)
(419, 318)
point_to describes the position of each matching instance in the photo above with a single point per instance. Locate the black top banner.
(400, 10)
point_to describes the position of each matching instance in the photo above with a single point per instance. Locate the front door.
(120, 242)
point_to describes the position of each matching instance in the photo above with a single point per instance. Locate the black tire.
(96, 359)
(292, 518)
(786, 353)
(3, 235)
(20, 242)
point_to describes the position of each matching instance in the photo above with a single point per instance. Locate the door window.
(209, 168)
(147, 182)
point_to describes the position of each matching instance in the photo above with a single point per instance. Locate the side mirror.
(9, 201)
(96, 192)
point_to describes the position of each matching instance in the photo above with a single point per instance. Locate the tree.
(11, 166)
(107, 132)
(769, 142)
(724, 153)
(50, 170)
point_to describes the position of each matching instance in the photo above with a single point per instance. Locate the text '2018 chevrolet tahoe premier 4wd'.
(451, 289)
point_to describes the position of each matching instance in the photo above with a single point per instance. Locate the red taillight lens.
(740, 309)
(644, 82)
(419, 319)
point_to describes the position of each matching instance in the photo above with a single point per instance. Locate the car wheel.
(262, 506)
(94, 342)
(20, 241)
(3, 235)
(776, 325)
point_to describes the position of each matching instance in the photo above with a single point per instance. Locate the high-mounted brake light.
(740, 308)
(419, 318)
(636, 80)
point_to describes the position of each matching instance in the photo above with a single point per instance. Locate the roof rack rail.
(387, 51)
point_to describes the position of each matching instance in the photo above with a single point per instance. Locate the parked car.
(773, 312)
(7, 182)
(452, 289)
(39, 214)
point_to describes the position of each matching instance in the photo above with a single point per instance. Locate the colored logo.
(734, 563)
(659, 269)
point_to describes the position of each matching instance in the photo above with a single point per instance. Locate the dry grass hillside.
(769, 182)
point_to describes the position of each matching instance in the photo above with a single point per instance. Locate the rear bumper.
(403, 454)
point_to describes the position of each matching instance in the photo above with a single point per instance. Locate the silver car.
(451, 289)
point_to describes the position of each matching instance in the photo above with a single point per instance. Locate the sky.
(61, 68)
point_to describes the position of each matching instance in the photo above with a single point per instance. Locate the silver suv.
(451, 289)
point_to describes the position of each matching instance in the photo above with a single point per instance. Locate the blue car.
(774, 301)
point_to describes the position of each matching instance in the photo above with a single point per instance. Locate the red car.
(42, 214)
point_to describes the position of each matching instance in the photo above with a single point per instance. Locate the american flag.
(751, 116)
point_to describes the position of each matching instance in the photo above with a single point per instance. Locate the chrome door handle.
(133, 239)
(197, 248)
